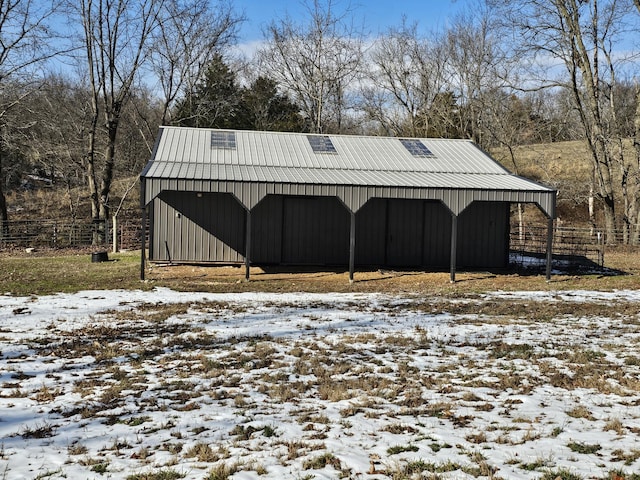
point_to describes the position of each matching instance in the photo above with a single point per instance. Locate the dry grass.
(23, 274)
(402, 382)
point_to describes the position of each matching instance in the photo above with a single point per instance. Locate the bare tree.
(116, 38)
(315, 62)
(59, 111)
(435, 86)
(25, 41)
(581, 37)
(404, 78)
(636, 145)
(190, 34)
(477, 67)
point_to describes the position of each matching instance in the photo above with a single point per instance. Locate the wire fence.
(57, 234)
(576, 244)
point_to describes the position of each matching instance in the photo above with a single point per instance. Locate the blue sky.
(377, 15)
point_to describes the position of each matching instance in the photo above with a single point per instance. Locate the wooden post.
(352, 246)
(247, 252)
(114, 223)
(454, 246)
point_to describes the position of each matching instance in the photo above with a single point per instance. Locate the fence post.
(115, 233)
(600, 250)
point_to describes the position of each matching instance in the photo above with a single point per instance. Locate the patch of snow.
(146, 393)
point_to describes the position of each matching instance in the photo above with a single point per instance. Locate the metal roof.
(192, 147)
(183, 153)
(186, 153)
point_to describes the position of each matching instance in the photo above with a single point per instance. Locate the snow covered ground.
(162, 385)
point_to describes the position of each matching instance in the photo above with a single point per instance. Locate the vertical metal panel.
(404, 235)
(482, 235)
(315, 231)
(352, 245)
(267, 230)
(454, 248)
(371, 232)
(437, 235)
(188, 227)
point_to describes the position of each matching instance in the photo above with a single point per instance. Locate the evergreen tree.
(266, 109)
(214, 102)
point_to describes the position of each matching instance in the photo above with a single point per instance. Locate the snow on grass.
(160, 385)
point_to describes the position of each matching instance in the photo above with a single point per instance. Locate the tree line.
(85, 84)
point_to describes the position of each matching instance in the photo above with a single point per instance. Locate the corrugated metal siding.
(200, 229)
(315, 231)
(371, 227)
(354, 196)
(483, 238)
(405, 233)
(437, 235)
(417, 233)
(266, 231)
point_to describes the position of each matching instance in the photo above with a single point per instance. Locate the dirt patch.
(622, 269)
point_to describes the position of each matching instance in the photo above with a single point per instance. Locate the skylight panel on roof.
(416, 148)
(223, 140)
(321, 144)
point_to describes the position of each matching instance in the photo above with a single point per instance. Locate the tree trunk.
(94, 198)
(107, 172)
(4, 216)
(609, 219)
(592, 211)
(636, 145)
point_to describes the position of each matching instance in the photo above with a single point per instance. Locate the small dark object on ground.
(97, 257)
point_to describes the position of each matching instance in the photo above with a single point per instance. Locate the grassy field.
(133, 385)
(44, 273)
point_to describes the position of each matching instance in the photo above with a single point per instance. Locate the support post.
(247, 249)
(352, 246)
(549, 247)
(114, 234)
(454, 247)
(143, 241)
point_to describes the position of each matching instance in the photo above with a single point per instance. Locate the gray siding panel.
(354, 196)
(189, 228)
(417, 233)
(315, 231)
(403, 233)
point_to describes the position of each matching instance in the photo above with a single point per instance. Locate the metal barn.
(269, 198)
